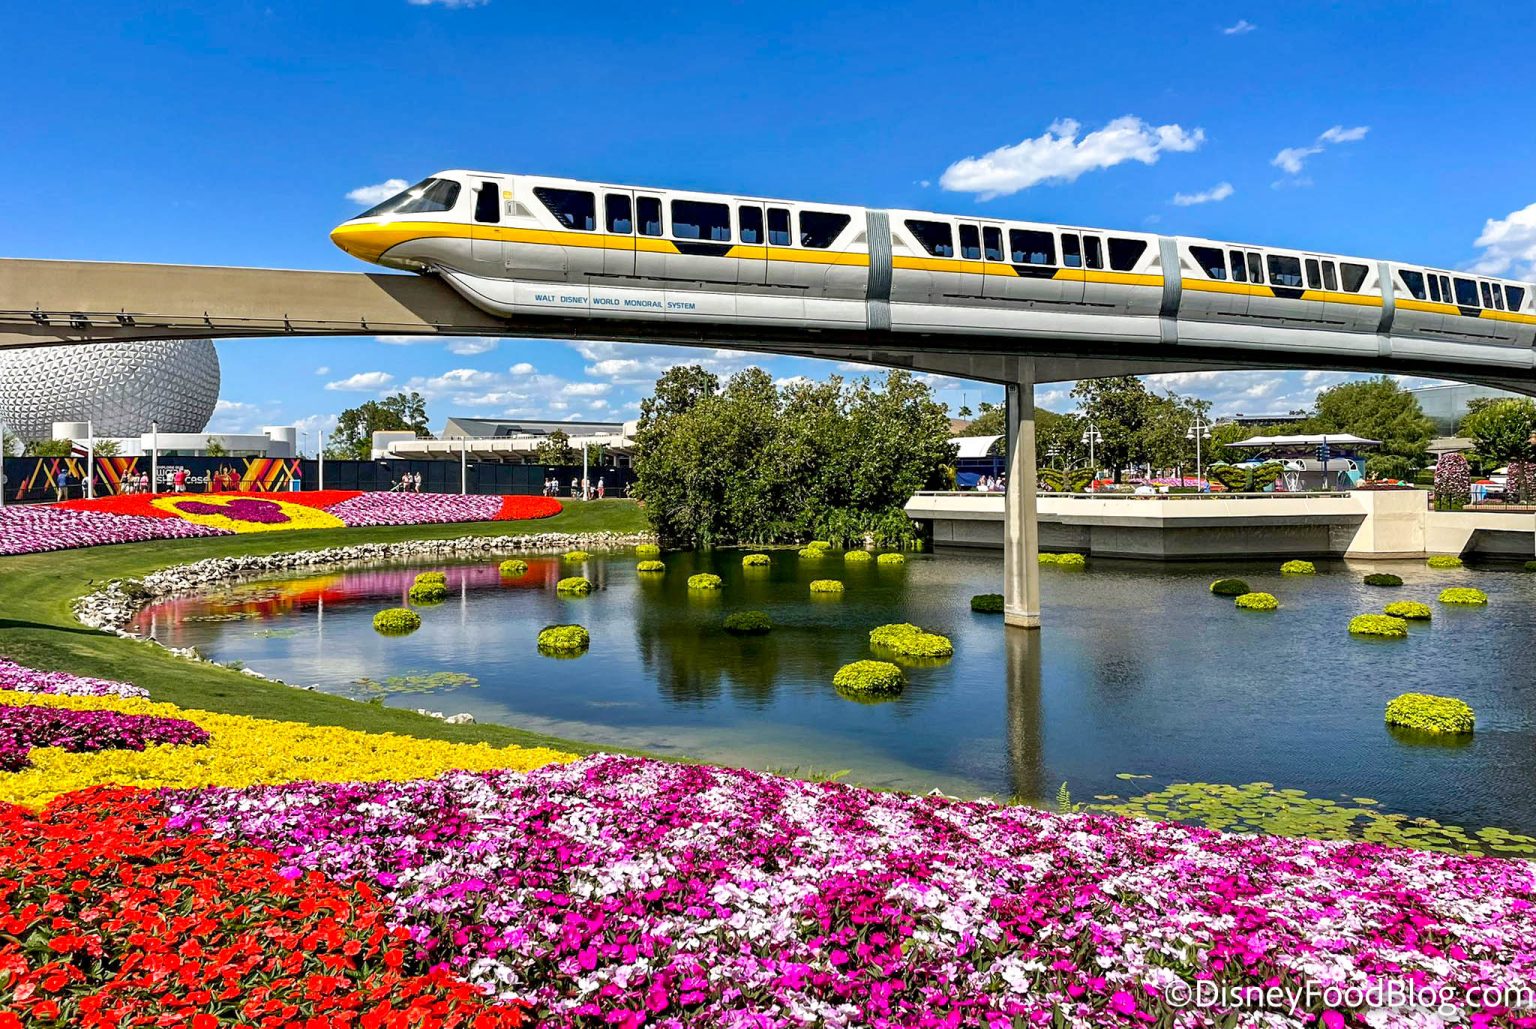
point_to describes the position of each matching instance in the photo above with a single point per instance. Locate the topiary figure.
(826, 586)
(1427, 712)
(1409, 609)
(427, 593)
(396, 621)
(1444, 561)
(1378, 625)
(564, 638)
(513, 567)
(1229, 587)
(575, 555)
(748, 623)
(651, 567)
(1257, 602)
(756, 561)
(910, 640)
(1383, 579)
(1463, 595)
(987, 603)
(891, 559)
(869, 677)
(647, 550)
(1298, 568)
(441, 578)
(704, 581)
(574, 585)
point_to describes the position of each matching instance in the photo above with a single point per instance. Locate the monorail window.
(1124, 253)
(573, 208)
(488, 203)
(936, 237)
(992, 242)
(1516, 297)
(1353, 275)
(1415, 283)
(778, 227)
(1466, 293)
(1285, 271)
(1031, 247)
(693, 219)
(1093, 252)
(1071, 250)
(1255, 268)
(1434, 290)
(1239, 268)
(428, 196)
(1330, 276)
(1487, 295)
(1211, 261)
(1314, 274)
(819, 228)
(649, 210)
(1445, 287)
(616, 208)
(1498, 297)
(751, 220)
(970, 243)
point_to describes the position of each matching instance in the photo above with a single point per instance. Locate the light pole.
(1093, 437)
(4, 440)
(1054, 453)
(154, 456)
(320, 455)
(90, 461)
(463, 465)
(1197, 432)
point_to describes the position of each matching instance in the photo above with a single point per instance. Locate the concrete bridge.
(56, 302)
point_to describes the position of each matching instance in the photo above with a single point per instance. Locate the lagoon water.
(1139, 669)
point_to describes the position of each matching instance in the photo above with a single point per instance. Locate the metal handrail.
(1297, 495)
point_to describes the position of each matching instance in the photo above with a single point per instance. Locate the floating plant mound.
(1409, 609)
(427, 593)
(1385, 626)
(869, 677)
(748, 623)
(1229, 587)
(1463, 595)
(564, 638)
(1257, 602)
(826, 586)
(1383, 579)
(1427, 712)
(1445, 561)
(910, 640)
(647, 550)
(987, 603)
(756, 561)
(575, 585)
(855, 557)
(1530, 566)
(1064, 560)
(812, 552)
(513, 567)
(441, 578)
(575, 555)
(1298, 568)
(891, 559)
(651, 567)
(704, 581)
(818, 545)
(396, 621)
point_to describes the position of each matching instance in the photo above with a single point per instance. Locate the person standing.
(599, 488)
(179, 480)
(296, 480)
(61, 484)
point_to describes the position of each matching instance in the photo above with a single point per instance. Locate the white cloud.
(586, 389)
(1293, 158)
(792, 380)
(324, 369)
(362, 381)
(598, 405)
(376, 193)
(1509, 245)
(470, 345)
(1058, 156)
(613, 367)
(1339, 134)
(452, 5)
(522, 368)
(1213, 195)
(222, 406)
(1242, 28)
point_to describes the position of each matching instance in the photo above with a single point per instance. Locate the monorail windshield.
(429, 196)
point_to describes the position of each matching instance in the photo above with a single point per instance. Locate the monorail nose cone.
(347, 237)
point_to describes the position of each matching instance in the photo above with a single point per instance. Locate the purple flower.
(25, 727)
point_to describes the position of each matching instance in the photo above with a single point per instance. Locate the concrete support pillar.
(1021, 533)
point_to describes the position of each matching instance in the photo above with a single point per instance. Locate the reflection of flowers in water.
(419, 682)
(247, 514)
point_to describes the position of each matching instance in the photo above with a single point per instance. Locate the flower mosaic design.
(248, 514)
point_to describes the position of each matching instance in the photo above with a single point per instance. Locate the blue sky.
(233, 132)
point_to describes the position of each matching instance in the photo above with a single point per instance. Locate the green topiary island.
(513, 567)
(427, 593)
(1064, 560)
(855, 557)
(574, 585)
(1257, 602)
(441, 578)
(564, 638)
(1427, 712)
(1530, 566)
(652, 567)
(891, 559)
(1383, 579)
(1463, 595)
(812, 552)
(826, 586)
(575, 555)
(910, 640)
(987, 603)
(1229, 587)
(748, 623)
(756, 561)
(704, 581)
(1298, 568)
(1445, 561)
(647, 550)
(869, 677)
(1409, 609)
(396, 621)
(1378, 625)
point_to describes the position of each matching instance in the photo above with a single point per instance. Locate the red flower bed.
(517, 508)
(107, 920)
(139, 503)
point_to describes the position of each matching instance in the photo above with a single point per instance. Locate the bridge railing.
(1296, 495)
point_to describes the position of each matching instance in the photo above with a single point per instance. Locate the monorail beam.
(1021, 525)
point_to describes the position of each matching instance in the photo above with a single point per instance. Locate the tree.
(1382, 410)
(215, 448)
(1119, 408)
(10, 446)
(1064, 434)
(678, 390)
(355, 426)
(555, 449)
(1501, 429)
(106, 448)
(50, 448)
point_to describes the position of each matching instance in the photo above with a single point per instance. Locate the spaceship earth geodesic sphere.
(119, 386)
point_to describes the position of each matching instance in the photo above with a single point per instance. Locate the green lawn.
(37, 628)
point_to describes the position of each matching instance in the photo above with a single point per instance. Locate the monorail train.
(518, 245)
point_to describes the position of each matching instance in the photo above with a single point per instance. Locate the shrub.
(826, 586)
(1257, 602)
(910, 640)
(647, 550)
(1064, 560)
(1378, 625)
(1463, 595)
(1427, 712)
(1298, 568)
(513, 567)
(889, 635)
(1530, 566)
(756, 561)
(858, 557)
(441, 578)
(651, 567)
(818, 545)
(1411, 609)
(987, 603)
(564, 638)
(891, 559)
(748, 623)
(575, 555)
(869, 677)
(813, 552)
(427, 593)
(1229, 587)
(1453, 481)
(396, 621)
(704, 581)
(1444, 561)
(1383, 579)
(575, 584)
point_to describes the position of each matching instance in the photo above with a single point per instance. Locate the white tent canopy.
(974, 446)
(1341, 439)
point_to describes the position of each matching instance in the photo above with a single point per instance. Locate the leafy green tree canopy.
(556, 449)
(399, 412)
(1502, 429)
(1378, 409)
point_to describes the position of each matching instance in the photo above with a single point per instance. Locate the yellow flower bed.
(194, 509)
(246, 751)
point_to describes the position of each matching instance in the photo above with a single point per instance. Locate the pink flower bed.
(27, 726)
(416, 508)
(22, 679)
(33, 528)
